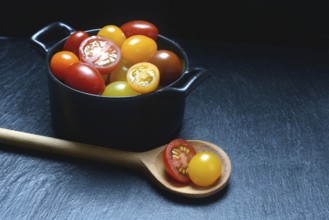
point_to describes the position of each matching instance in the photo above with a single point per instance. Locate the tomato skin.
(114, 33)
(140, 27)
(204, 168)
(120, 73)
(119, 89)
(100, 52)
(73, 42)
(60, 61)
(169, 64)
(176, 157)
(143, 77)
(138, 48)
(85, 78)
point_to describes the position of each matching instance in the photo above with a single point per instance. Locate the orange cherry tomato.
(138, 48)
(143, 77)
(60, 61)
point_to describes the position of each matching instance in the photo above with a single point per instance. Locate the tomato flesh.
(143, 77)
(176, 158)
(100, 52)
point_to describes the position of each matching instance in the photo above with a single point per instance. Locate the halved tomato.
(176, 158)
(143, 77)
(101, 53)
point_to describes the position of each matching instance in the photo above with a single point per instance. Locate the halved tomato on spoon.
(101, 53)
(176, 158)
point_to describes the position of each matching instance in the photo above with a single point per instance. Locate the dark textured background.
(284, 22)
(266, 105)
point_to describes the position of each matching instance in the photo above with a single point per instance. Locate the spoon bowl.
(148, 162)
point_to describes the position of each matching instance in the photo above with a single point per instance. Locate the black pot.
(131, 123)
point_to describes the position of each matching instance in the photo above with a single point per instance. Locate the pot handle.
(49, 35)
(188, 82)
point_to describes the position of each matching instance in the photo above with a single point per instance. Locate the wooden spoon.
(148, 162)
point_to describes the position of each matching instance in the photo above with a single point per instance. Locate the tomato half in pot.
(143, 77)
(176, 158)
(101, 53)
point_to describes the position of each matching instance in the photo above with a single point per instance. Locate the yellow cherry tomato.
(204, 168)
(143, 77)
(119, 89)
(120, 73)
(138, 48)
(113, 33)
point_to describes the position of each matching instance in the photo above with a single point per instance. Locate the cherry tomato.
(204, 168)
(113, 33)
(143, 77)
(101, 53)
(140, 27)
(73, 42)
(120, 73)
(85, 78)
(169, 64)
(60, 61)
(176, 157)
(119, 89)
(138, 48)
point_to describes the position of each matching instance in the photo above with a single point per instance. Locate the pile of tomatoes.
(184, 164)
(117, 61)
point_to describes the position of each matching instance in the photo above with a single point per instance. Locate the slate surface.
(267, 107)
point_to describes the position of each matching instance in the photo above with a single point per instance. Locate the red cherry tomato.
(176, 157)
(140, 27)
(101, 53)
(169, 64)
(85, 78)
(73, 42)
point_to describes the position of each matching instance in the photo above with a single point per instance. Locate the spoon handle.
(68, 148)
